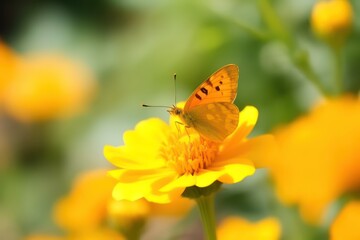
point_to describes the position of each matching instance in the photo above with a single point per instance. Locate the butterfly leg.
(177, 123)
(186, 130)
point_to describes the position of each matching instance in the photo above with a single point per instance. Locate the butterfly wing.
(214, 121)
(219, 87)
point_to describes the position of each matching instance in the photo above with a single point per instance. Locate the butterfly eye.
(177, 111)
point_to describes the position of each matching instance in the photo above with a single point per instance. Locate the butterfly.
(210, 109)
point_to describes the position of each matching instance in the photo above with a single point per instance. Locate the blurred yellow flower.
(157, 161)
(90, 234)
(319, 156)
(332, 19)
(44, 237)
(347, 223)
(89, 209)
(128, 216)
(45, 87)
(177, 207)
(86, 205)
(97, 234)
(9, 62)
(235, 228)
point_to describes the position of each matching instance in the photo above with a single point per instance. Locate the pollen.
(189, 154)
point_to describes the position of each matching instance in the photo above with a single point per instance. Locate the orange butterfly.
(210, 109)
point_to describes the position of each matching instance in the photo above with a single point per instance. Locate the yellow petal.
(141, 146)
(259, 150)
(231, 160)
(139, 185)
(230, 173)
(128, 176)
(235, 173)
(72, 213)
(149, 129)
(347, 223)
(247, 120)
(236, 228)
(207, 177)
(177, 208)
(97, 234)
(181, 182)
(160, 197)
(123, 157)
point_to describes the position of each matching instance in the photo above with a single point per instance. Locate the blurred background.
(73, 76)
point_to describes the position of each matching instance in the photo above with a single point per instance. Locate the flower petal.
(160, 197)
(234, 173)
(206, 178)
(247, 120)
(181, 182)
(259, 150)
(141, 146)
(231, 160)
(122, 157)
(128, 176)
(135, 184)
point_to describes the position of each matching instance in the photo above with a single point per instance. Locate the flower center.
(188, 154)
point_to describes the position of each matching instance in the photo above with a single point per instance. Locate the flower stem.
(274, 23)
(207, 213)
(301, 61)
(299, 57)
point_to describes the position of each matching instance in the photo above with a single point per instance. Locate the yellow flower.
(44, 237)
(178, 207)
(158, 162)
(86, 205)
(127, 214)
(332, 19)
(9, 62)
(89, 209)
(90, 234)
(235, 228)
(97, 234)
(347, 223)
(319, 156)
(45, 87)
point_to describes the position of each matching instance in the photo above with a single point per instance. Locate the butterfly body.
(210, 109)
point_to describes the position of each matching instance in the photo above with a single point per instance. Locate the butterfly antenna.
(145, 105)
(175, 88)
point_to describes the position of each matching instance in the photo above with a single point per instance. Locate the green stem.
(256, 33)
(338, 81)
(301, 61)
(279, 30)
(207, 213)
(260, 35)
(274, 23)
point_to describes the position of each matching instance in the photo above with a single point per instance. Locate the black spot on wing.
(204, 90)
(209, 83)
(198, 96)
(217, 88)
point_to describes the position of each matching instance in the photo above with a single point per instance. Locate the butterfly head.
(176, 111)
